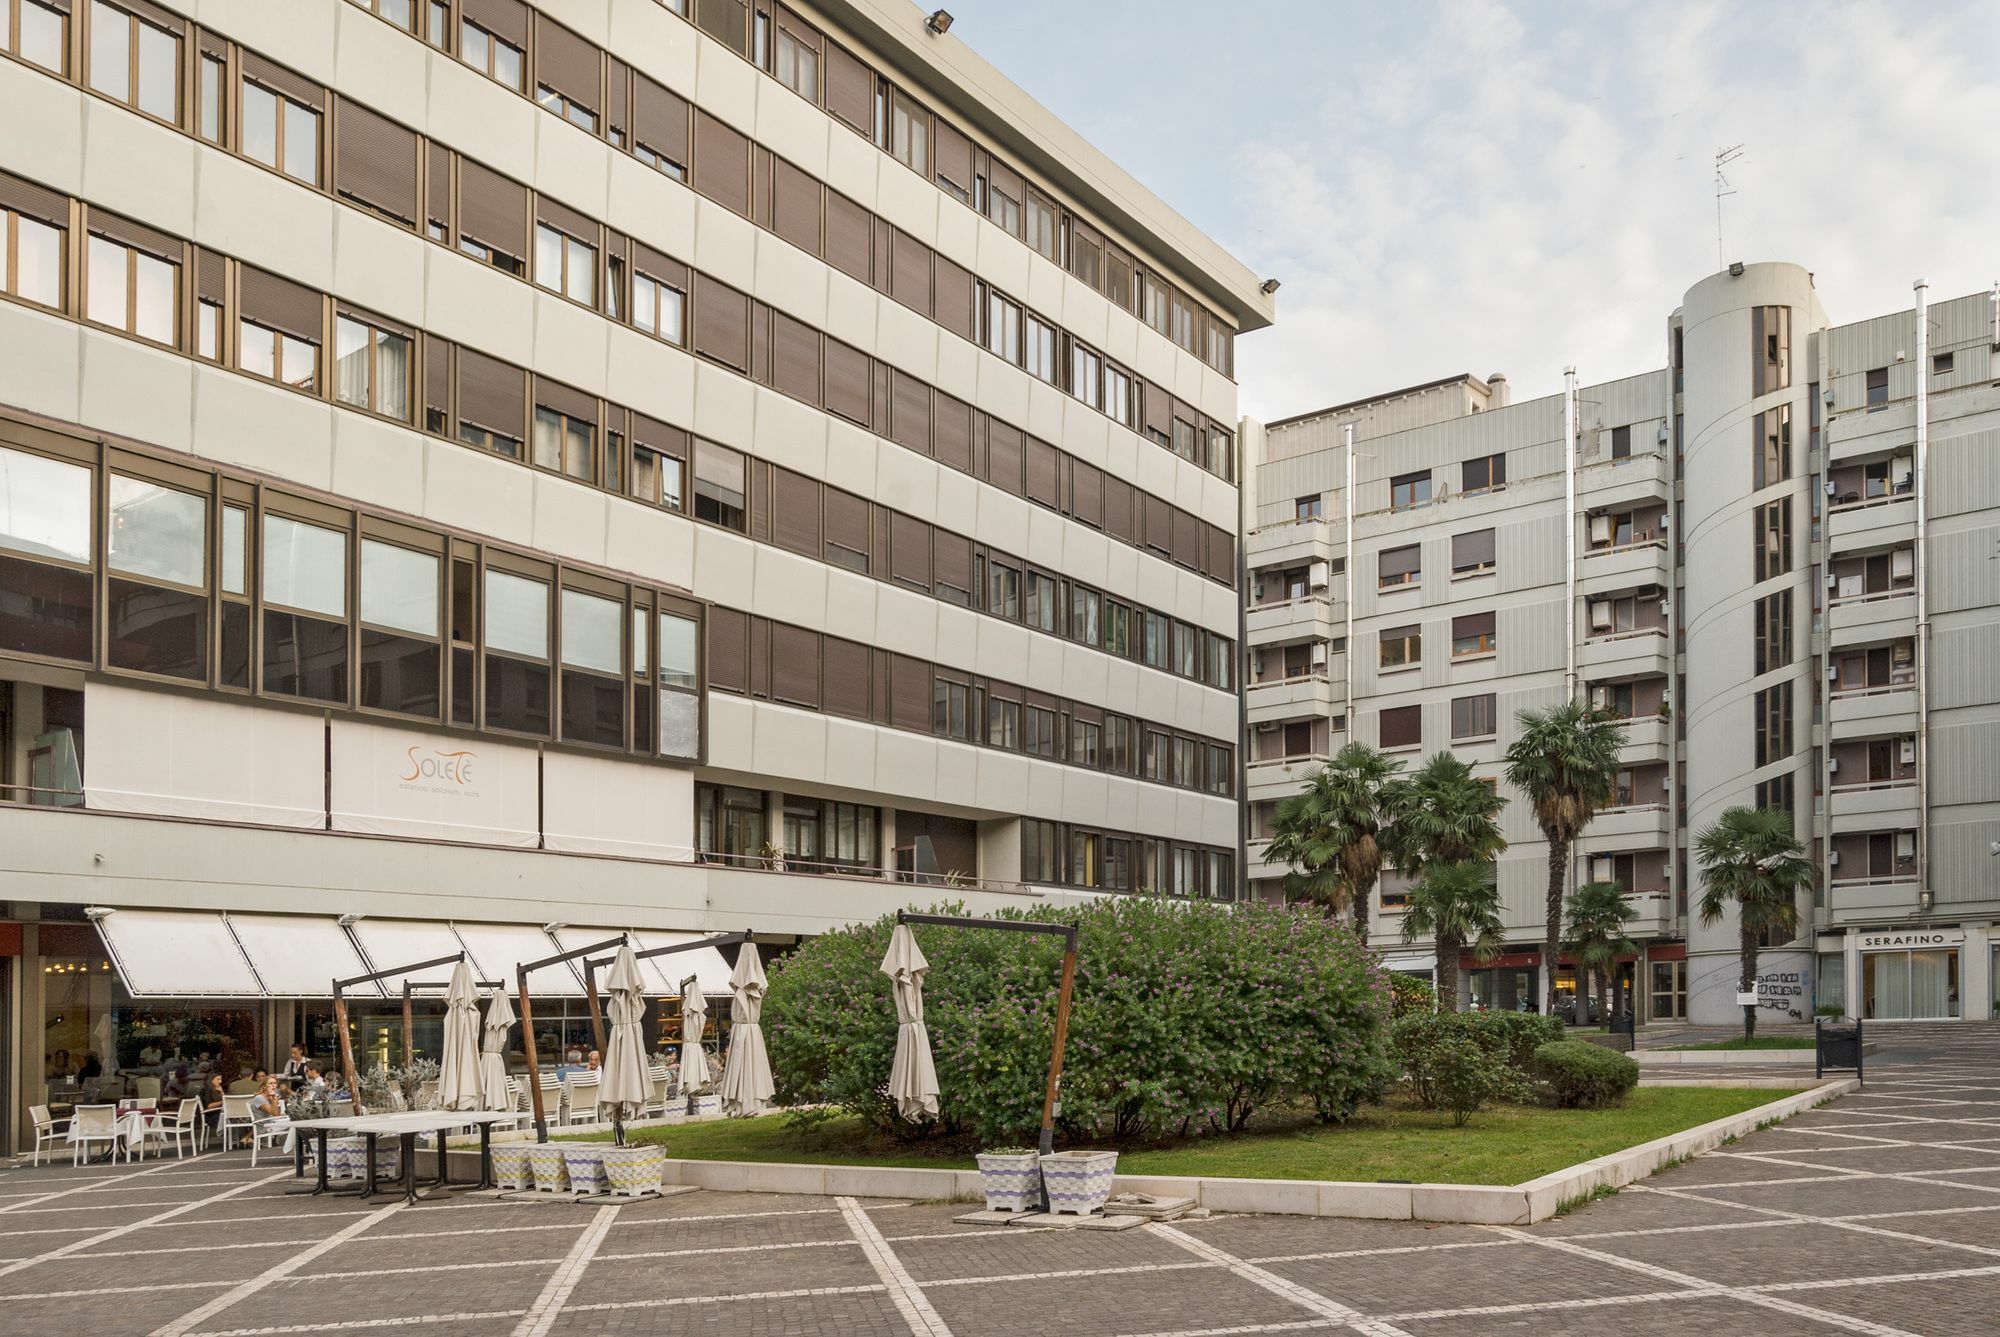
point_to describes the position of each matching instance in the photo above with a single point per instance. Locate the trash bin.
(1837, 1047)
(1622, 1032)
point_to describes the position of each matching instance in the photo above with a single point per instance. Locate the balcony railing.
(1854, 501)
(1255, 762)
(1901, 684)
(1316, 674)
(1601, 637)
(1866, 786)
(1271, 604)
(1873, 879)
(1876, 596)
(1630, 545)
(797, 866)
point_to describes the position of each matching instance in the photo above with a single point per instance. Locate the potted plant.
(548, 1166)
(633, 1170)
(1079, 1181)
(1011, 1179)
(510, 1166)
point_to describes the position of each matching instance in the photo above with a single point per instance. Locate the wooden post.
(346, 1051)
(534, 1068)
(407, 1018)
(596, 1014)
(1056, 1054)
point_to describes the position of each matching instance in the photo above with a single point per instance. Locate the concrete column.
(885, 843)
(1850, 956)
(1975, 974)
(774, 818)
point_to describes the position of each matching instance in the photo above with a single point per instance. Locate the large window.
(1399, 566)
(31, 265)
(45, 556)
(565, 265)
(401, 629)
(729, 825)
(1003, 327)
(593, 668)
(1402, 647)
(305, 609)
(134, 61)
(718, 486)
(36, 32)
(280, 133)
(496, 59)
(1473, 634)
(796, 63)
(1483, 474)
(277, 356)
(565, 443)
(517, 653)
(1407, 491)
(371, 368)
(1472, 717)
(131, 290)
(659, 308)
(157, 590)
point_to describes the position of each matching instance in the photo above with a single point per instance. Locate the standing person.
(295, 1066)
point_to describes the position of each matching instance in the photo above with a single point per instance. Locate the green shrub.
(1411, 996)
(1186, 1018)
(1581, 1075)
(1452, 1065)
(1520, 1034)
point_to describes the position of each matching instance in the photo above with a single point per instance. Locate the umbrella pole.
(534, 1068)
(1048, 1144)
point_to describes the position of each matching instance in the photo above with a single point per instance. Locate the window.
(1120, 734)
(718, 486)
(1772, 551)
(31, 258)
(1621, 443)
(135, 62)
(1183, 439)
(1003, 724)
(40, 34)
(208, 330)
(1772, 462)
(1085, 739)
(1473, 634)
(1084, 607)
(371, 368)
(517, 653)
(566, 107)
(280, 133)
(1402, 647)
(1118, 395)
(1039, 348)
(1472, 553)
(1086, 372)
(1309, 508)
(402, 13)
(157, 587)
(909, 133)
(1773, 724)
(658, 308)
(1003, 327)
(729, 824)
(565, 265)
(1003, 590)
(209, 118)
(275, 356)
(565, 443)
(1472, 717)
(1086, 859)
(305, 609)
(1117, 629)
(1618, 699)
(45, 554)
(1484, 475)
(1187, 650)
(1043, 611)
(1040, 217)
(797, 63)
(1777, 793)
(1773, 631)
(1399, 566)
(498, 60)
(593, 668)
(1402, 726)
(1221, 662)
(401, 624)
(656, 477)
(130, 290)
(1041, 851)
(1038, 732)
(1771, 348)
(1408, 491)
(1941, 364)
(1154, 640)
(1221, 459)
(1878, 388)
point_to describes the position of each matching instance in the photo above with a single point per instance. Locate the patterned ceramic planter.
(510, 1166)
(633, 1172)
(586, 1168)
(1011, 1182)
(347, 1159)
(1079, 1181)
(704, 1107)
(550, 1169)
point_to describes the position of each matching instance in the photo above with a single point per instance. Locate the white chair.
(581, 1100)
(95, 1123)
(272, 1132)
(50, 1131)
(186, 1124)
(147, 1089)
(555, 1097)
(237, 1117)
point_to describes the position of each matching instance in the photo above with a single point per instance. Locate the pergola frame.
(340, 988)
(521, 973)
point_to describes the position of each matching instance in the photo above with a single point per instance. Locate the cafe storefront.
(1911, 974)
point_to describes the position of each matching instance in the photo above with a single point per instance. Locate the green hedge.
(1433, 1051)
(1187, 1018)
(1581, 1075)
(1411, 996)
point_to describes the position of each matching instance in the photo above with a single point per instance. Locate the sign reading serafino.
(1915, 939)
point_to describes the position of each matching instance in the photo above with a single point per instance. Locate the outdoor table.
(130, 1126)
(405, 1125)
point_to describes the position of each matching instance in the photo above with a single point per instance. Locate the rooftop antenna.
(1723, 157)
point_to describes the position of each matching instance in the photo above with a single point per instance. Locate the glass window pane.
(507, 65)
(44, 506)
(517, 615)
(640, 662)
(548, 439)
(301, 362)
(211, 100)
(110, 51)
(680, 724)
(392, 375)
(257, 350)
(158, 532)
(159, 73)
(591, 627)
(582, 272)
(153, 316)
(399, 588)
(301, 143)
(472, 45)
(350, 362)
(108, 261)
(548, 257)
(260, 124)
(38, 271)
(235, 535)
(42, 36)
(679, 665)
(305, 566)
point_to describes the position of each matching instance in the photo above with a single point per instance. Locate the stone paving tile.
(632, 1233)
(1722, 1168)
(1798, 1251)
(1254, 1237)
(1513, 1273)
(724, 1274)
(387, 1296)
(127, 1315)
(1664, 1318)
(1088, 1306)
(872, 1315)
(1637, 1209)
(1849, 1197)
(1947, 1307)
(82, 1272)
(1897, 1160)
(1981, 1228)
(1014, 1250)
(367, 1251)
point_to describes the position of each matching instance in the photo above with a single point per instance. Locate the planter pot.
(705, 1106)
(585, 1163)
(633, 1172)
(1079, 1181)
(510, 1166)
(549, 1168)
(347, 1159)
(1012, 1183)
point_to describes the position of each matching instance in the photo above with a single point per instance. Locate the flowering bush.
(1186, 1018)
(1411, 996)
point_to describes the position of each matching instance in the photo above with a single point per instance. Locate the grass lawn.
(1505, 1145)
(1759, 1042)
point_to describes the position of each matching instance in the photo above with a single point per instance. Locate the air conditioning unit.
(1666, 607)
(1833, 859)
(1666, 522)
(1600, 615)
(1907, 750)
(1257, 587)
(1832, 672)
(1268, 726)
(1832, 580)
(1903, 564)
(1906, 846)
(1317, 575)
(1830, 488)
(1662, 437)
(1319, 654)
(1832, 765)
(1600, 529)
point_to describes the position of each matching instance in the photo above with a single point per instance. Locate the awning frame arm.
(340, 988)
(521, 973)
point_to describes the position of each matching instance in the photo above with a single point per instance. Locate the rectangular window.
(135, 62)
(909, 133)
(1309, 508)
(565, 443)
(1773, 631)
(276, 356)
(40, 34)
(1084, 607)
(1402, 726)
(1154, 642)
(1472, 717)
(130, 290)
(1772, 555)
(1003, 590)
(1773, 733)
(659, 308)
(401, 625)
(157, 588)
(1038, 345)
(1086, 372)
(1003, 724)
(280, 133)
(1772, 442)
(1183, 439)
(1041, 852)
(566, 107)
(305, 609)
(1085, 740)
(1472, 553)
(371, 368)
(1117, 629)
(1402, 647)
(719, 486)
(1621, 443)
(1408, 491)
(1003, 327)
(593, 668)
(1941, 364)
(1043, 611)
(1117, 395)
(1771, 348)
(1473, 634)
(31, 258)
(565, 265)
(796, 62)
(1038, 732)
(1483, 475)
(1399, 566)
(1878, 388)
(498, 60)
(1040, 219)
(1119, 732)
(517, 653)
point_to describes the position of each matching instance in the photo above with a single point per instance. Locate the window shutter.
(910, 690)
(952, 304)
(35, 201)
(437, 184)
(1086, 488)
(659, 437)
(1159, 414)
(212, 277)
(135, 235)
(850, 88)
(507, 19)
(1402, 726)
(796, 207)
(659, 119)
(1473, 549)
(565, 219)
(721, 323)
(847, 521)
(910, 551)
(650, 262)
(1396, 562)
(1473, 624)
(617, 95)
(728, 650)
(796, 510)
(951, 432)
(1187, 540)
(1159, 523)
(375, 161)
(281, 80)
(795, 665)
(844, 677)
(491, 209)
(760, 657)
(912, 413)
(910, 272)
(952, 561)
(954, 157)
(573, 404)
(847, 381)
(1222, 555)
(795, 358)
(280, 303)
(1118, 508)
(568, 64)
(492, 394)
(1003, 456)
(721, 163)
(1044, 474)
(850, 245)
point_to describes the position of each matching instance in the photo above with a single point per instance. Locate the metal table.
(406, 1126)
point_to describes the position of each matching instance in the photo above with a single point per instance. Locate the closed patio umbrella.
(746, 1080)
(694, 1020)
(913, 1082)
(493, 1052)
(458, 1075)
(625, 1084)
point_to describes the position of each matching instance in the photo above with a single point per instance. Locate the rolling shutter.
(1117, 508)
(1086, 489)
(850, 89)
(1395, 563)
(910, 272)
(954, 158)
(375, 161)
(951, 561)
(1187, 540)
(212, 277)
(951, 432)
(953, 304)
(505, 19)
(572, 404)
(1402, 726)
(847, 382)
(721, 163)
(35, 201)
(280, 304)
(136, 235)
(844, 677)
(492, 394)
(1159, 414)
(1221, 555)
(1472, 549)
(912, 413)
(721, 323)
(846, 521)
(1159, 523)
(1003, 456)
(566, 220)
(437, 185)
(795, 510)
(795, 665)
(651, 263)
(281, 80)
(794, 358)
(910, 689)
(850, 246)
(1473, 624)
(437, 385)
(910, 551)
(659, 119)
(728, 650)
(491, 209)
(568, 64)
(1044, 474)
(795, 207)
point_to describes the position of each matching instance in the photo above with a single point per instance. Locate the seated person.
(315, 1080)
(91, 1069)
(269, 1102)
(61, 1068)
(211, 1101)
(249, 1086)
(596, 1061)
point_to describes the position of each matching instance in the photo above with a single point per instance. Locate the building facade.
(477, 476)
(1777, 557)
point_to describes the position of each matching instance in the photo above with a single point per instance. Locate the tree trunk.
(1364, 899)
(1749, 984)
(1552, 940)
(1447, 986)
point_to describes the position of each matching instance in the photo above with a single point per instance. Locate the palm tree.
(1565, 759)
(1327, 833)
(1458, 904)
(1442, 813)
(1597, 918)
(1751, 858)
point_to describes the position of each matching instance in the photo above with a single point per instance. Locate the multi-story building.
(1776, 558)
(477, 476)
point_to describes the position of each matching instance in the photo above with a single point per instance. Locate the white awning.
(707, 964)
(570, 937)
(498, 949)
(299, 956)
(177, 954)
(390, 943)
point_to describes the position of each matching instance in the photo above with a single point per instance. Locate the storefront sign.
(1908, 940)
(401, 782)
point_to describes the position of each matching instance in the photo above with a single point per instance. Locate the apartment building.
(1777, 557)
(485, 477)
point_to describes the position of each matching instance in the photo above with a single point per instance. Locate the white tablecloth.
(130, 1128)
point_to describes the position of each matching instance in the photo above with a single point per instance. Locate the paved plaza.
(1877, 1214)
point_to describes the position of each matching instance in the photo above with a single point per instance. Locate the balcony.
(1623, 566)
(1280, 777)
(1647, 738)
(1606, 483)
(1860, 619)
(1309, 694)
(1862, 712)
(1633, 826)
(1875, 523)
(1289, 543)
(1654, 914)
(1307, 619)
(1872, 806)
(1863, 898)
(1642, 652)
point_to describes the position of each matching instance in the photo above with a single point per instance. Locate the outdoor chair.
(50, 1131)
(272, 1132)
(662, 1090)
(94, 1123)
(555, 1096)
(581, 1100)
(185, 1125)
(237, 1117)
(146, 1088)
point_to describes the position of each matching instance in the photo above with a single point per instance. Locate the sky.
(1477, 186)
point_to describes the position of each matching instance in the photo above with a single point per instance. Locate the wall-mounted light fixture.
(939, 23)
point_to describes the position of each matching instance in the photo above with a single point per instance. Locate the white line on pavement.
(75, 1246)
(904, 1293)
(541, 1315)
(276, 1272)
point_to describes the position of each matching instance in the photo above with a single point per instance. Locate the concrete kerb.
(1465, 1204)
(1754, 1058)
